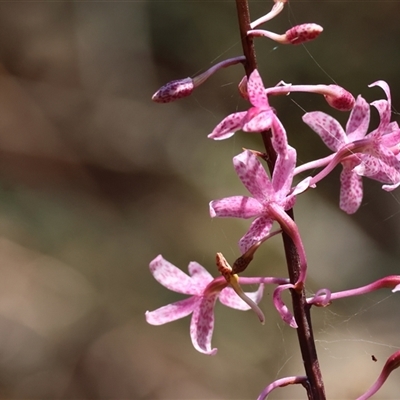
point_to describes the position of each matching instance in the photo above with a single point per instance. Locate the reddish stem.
(301, 310)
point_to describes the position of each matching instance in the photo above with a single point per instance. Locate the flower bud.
(339, 98)
(177, 89)
(174, 90)
(303, 33)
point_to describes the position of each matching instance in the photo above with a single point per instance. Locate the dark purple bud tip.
(174, 90)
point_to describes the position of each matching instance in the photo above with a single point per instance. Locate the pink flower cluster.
(374, 155)
(361, 151)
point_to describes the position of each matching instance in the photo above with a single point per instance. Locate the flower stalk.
(301, 310)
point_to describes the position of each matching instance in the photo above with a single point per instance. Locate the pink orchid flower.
(204, 291)
(258, 118)
(269, 196)
(373, 155)
(381, 157)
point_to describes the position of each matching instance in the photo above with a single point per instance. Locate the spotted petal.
(259, 121)
(253, 175)
(283, 173)
(392, 137)
(200, 276)
(228, 126)
(202, 324)
(256, 91)
(259, 229)
(351, 189)
(235, 206)
(172, 312)
(383, 106)
(378, 170)
(357, 125)
(279, 137)
(172, 277)
(327, 128)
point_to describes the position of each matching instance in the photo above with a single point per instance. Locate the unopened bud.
(303, 33)
(298, 34)
(174, 90)
(177, 89)
(340, 98)
(336, 96)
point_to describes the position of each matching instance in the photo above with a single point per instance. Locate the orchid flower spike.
(297, 35)
(179, 88)
(203, 291)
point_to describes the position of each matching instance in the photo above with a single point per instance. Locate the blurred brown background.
(96, 181)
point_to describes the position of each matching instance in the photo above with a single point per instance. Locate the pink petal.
(253, 175)
(200, 276)
(381, 171)
(279, 137)
(229, 298)
(235, 206)
(384, 111)
(392, 138)
(228, 126)
(383, 106)
(389, 188)
(256, 91)
(172, 277)
(357, 125)
(260, 122)
(202, 325)
(327, 128)
(370, 166)
(172, 312)
(388, 158)
(351, 190)
(302, 186)
(383, 85)
(283, 174)
(259, 229)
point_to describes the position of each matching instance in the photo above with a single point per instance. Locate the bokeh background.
(96, 181)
